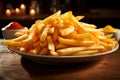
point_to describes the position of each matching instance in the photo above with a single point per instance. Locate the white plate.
(62, 59)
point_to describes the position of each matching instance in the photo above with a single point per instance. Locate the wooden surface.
(14, 67)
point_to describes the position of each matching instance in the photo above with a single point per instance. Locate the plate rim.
(49, 56)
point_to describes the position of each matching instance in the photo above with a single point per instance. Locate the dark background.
(98, 12)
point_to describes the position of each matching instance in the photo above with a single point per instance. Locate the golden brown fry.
(54, 53)
(79, 17)
(38, 21)
(60, 46)
(83, 36)
(72, 42)
(40, 27)
(45, 33)
(20, 38)
(51, 30)
(55, 35)
(109, 35)
(67, 31)
(20, 33)
(57, 14)
(72, 50)
(108, 28)
(11, 43)
(51, 45)
(88, 25)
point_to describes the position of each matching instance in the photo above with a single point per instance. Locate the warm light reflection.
(23, 8)
(32, 12)
(8, 12)
(17, 11)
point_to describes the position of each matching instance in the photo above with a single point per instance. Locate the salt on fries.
(62, 35)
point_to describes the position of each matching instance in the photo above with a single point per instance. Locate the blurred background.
(26, 12)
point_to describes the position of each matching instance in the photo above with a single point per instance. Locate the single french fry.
(11, 43)
(57, 14)
(72, 50)
(60, 46)
(66, 16)
(94, 30)
(32, 28)
(38, 21)
(79, 17)
(72, 42)
(20, 33)
(83, 36)
(55, 35)
(51, 45)
(44, 34)
(88, 25)
(22, 37)
(40, 27)
(109, 35)
(108, 28)
(53, 53)
(67, 31)
(51, 30)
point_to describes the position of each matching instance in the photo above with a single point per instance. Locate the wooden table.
(14, 67)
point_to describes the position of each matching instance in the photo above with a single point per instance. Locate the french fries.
(62, 35)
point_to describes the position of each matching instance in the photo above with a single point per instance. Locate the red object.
(14, 25)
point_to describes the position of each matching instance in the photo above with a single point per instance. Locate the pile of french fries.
(62, 35)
